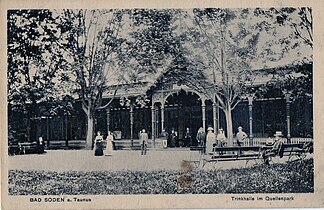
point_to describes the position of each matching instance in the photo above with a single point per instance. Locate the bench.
(255, 153)
(13, 149)
(28, 147)
(196, 148)
(297, 150)
(196, 162)
(232, 153)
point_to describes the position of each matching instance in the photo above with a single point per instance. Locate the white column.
(250, 99)
(131, 114)
(215, 117)
(288, 101)
(203, 109)
(162, 116)
(108, 118)
(153, 124)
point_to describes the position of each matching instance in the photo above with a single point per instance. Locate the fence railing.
(263, 141)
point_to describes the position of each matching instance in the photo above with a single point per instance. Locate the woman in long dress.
(98, 145)
(210, 140)
(109, 146)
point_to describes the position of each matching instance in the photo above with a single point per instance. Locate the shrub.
(295, 177)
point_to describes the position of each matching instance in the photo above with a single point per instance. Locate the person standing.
(240, 136)
(188, 139)
(201, 138)
(40, 145)
(143, 140)
(210, 140)
(173, 138)
(165, 137)
(109, 146)
(98, 147)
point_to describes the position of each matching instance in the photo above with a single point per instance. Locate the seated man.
(240, 136)
(221, 139)
(277, 148)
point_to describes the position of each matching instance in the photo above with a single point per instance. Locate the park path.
(84, 160)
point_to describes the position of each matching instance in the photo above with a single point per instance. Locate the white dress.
(109, 146)
(210, 141)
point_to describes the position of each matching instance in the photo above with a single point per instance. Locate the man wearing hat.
(277, 148)
(240, 136)
(143, 140)
(210, 140)
(201, 138)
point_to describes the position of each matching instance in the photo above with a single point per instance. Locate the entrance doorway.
(182, 111)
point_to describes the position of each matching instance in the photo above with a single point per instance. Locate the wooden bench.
(255, 153)
(297, 150)
(27, 147)
(196, 162)
(13, 149)
(233, 153)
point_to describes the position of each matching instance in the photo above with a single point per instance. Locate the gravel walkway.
(84, 160)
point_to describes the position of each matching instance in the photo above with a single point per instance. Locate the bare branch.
(110, 101)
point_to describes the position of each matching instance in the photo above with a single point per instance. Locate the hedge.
(295, 177)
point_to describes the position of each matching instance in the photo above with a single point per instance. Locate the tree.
(218, 55)
(299, 41)
(33, 59)
(151, 44)
(91, 37)
(295, 46)
(300, 19)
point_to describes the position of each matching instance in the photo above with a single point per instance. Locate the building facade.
(169, 105)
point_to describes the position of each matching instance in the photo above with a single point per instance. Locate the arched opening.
(182, 110)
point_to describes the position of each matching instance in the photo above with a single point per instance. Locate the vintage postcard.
(161, 104)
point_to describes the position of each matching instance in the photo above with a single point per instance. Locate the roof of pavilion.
(140, 88)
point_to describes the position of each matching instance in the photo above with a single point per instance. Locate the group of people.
(99, 144)
(208, 140)
(204, 140)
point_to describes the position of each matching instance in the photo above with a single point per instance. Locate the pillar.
(217, 114)
(162, 116)
(47, 132)
(250, 99)
(215, 117)
(156, 122)
(288, 101)
(66, 130)
(62, 127)
(203, 109)
(131, 114)
(108, 118)
(153, 124)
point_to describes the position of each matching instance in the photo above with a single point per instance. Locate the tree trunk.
(229, 125)
(90, 128)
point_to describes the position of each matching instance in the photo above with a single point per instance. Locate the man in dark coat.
(173, 138)
(201, 138)
(40, 145)
(188, 139)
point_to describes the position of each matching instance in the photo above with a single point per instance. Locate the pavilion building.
(170, 105)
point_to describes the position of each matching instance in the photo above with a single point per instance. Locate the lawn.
(295, 177)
